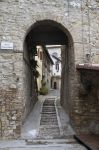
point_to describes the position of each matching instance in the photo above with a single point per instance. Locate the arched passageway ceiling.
(46, 34)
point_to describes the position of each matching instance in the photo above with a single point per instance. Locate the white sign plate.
(6, 45)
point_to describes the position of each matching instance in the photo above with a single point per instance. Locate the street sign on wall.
(6, 45)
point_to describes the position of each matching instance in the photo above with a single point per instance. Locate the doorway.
(55, 85)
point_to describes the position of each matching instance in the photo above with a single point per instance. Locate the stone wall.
(29, 84)
(11, 101)
(17, 16)
(80, 18)
(88, 110)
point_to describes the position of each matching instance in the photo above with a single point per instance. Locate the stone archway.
(17, 100)
(14, 73)
(51, 32)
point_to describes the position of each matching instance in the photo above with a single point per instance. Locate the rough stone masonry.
(80, 18)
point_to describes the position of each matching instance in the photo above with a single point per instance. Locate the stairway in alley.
(50, 134)
(49, 127)
(46, 128)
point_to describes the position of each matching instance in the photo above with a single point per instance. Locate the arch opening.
(43, 33)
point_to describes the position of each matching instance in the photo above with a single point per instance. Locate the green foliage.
(36, 73)
(43, 90)
(34, 68)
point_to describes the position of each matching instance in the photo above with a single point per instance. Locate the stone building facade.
(39, 58)
(47, 65)
(78, 24)
(55, 53)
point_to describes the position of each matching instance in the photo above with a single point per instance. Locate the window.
(41, 55)
(57, 66)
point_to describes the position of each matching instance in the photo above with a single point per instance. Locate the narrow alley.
(47, 116)
(47, 127)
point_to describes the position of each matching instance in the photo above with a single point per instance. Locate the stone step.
(49, 108)
(51, 141)
(49, 104)
(46, 123)
(49, 113)
(49, 119)
(49, 124)
(49, 127)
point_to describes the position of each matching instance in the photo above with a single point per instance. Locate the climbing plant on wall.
(33, 62)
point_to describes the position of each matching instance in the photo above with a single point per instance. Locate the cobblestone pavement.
(46, 128)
